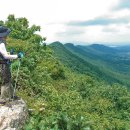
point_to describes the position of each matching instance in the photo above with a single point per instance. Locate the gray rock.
(13, 115)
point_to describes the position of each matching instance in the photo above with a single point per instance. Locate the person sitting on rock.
(6, 88)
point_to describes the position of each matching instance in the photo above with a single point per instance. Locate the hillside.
(110, 61)
(94, 61)
(61, 98)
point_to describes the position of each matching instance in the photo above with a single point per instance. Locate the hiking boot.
(2, 101)
(15, 98)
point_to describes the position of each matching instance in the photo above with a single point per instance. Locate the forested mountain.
(75, 58)
(112, 64)
(125, 48)
(66, 91)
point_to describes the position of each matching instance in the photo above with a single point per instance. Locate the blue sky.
(77, 21)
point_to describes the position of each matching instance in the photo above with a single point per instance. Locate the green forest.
(62, 95)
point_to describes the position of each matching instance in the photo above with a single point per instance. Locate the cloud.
(70, 33)
(128, 26)
(110, 30)
(100, 21)
(123, 4)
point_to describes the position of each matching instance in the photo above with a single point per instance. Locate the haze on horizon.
(79, 22)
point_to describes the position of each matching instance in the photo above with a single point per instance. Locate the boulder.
(13, 115)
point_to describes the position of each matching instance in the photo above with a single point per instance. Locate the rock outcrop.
(13, 115)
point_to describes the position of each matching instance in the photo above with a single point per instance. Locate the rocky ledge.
(13, 115)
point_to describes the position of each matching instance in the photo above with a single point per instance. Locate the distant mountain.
(93, 52)
(70, 59)
(123, 48)
(102, 48)
(78, 60)
(109, 63)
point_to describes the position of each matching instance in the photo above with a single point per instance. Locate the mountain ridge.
(103, 59)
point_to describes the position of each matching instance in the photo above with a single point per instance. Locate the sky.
(75, 21)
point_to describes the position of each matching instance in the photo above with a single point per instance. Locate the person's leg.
(6, 88)
(0, 76)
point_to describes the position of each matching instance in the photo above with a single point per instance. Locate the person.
(6, 88)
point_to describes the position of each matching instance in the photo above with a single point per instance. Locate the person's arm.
(5, 54)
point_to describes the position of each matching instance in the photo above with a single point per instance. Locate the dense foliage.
(60, 98)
